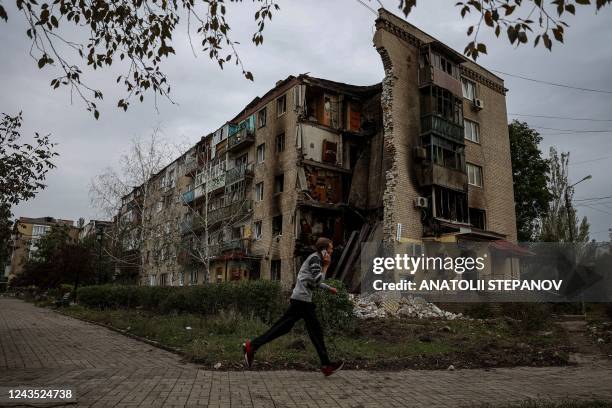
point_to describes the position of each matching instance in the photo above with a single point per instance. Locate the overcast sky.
(332, 40)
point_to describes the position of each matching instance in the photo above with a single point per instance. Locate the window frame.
(258, 230)
(464, 81)
(282, 98)
(476, 126)
(259, 191)
(281, 177)
(280, 140)
(261, 148)
(275, 232)
(468, 167)
(262, 113)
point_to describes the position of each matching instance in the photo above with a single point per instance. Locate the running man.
(310, 276)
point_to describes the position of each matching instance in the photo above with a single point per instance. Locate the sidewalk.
(40, 347)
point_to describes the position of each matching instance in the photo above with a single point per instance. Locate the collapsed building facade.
(423, 155)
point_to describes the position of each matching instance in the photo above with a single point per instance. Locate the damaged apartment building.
(423, 155)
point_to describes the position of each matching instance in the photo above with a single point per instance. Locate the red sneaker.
(332, 368)
(249, 353)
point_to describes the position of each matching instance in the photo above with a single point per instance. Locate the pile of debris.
(377, 305)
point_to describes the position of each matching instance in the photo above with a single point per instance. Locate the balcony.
(240, 247)
(430, 75)
(442, 127)
(233, 210)
(186, 226)
(242, 138)
(434, 174)
(190, 167)
(239, 173)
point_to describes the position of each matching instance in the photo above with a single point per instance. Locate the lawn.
(380, 344)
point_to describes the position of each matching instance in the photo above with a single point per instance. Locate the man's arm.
(318, 268)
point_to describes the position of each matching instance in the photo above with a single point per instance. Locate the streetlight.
(570, 225)
(568, 207)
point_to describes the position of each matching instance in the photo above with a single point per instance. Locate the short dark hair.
(322, 243)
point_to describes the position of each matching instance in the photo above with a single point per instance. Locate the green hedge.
(262, 299)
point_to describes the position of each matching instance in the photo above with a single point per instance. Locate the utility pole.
(570, 225)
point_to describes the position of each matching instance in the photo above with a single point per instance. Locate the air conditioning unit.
(420, 202)
(477, 104)
(419, 152)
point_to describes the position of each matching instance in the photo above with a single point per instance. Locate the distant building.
(27, 232)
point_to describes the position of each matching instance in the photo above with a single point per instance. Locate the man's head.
(324, 244)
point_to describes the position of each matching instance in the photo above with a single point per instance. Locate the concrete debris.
(377, 305)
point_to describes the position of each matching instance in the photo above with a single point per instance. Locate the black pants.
(297, 310)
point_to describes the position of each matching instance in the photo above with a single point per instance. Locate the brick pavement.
(41, 348)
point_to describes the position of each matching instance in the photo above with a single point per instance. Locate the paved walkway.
(39, 347)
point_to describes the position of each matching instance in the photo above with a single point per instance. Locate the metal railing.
(242, 136)
(238, 173)
(442, 126)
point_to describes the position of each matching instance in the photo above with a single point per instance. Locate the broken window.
(445, 153)
(262, 117)
(478, 218)
(258, 230)
(474, 174)
(279, 183)
(275, 270)
(330, 150)
(330, 110)
(277, 225)
(450, 204)
(281, 105)
(280, 143)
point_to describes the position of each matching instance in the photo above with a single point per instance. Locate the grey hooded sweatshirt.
(309, 277)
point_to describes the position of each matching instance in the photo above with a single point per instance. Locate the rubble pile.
(410, 307)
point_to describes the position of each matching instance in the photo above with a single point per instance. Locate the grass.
(373, 344)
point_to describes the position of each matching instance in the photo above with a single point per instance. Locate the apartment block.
(26, 234)
(422, 156)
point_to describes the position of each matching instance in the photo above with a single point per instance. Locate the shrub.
(335, 311)
(532, 316)
(261, 299)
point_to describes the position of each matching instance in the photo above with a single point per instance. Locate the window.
(478, 218)
(261, 117)
(277, 225)
(242, 161)
(163, 279)
(279, 183)
(474, 175)
(275, 269)
(471, 130)
(259, 190)
(39, 230)
(181, 278)
(469, 89)
(258, 230)
(193, 277)
(261, 153)
(280, 143)
(281, 105)
(151, 280)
